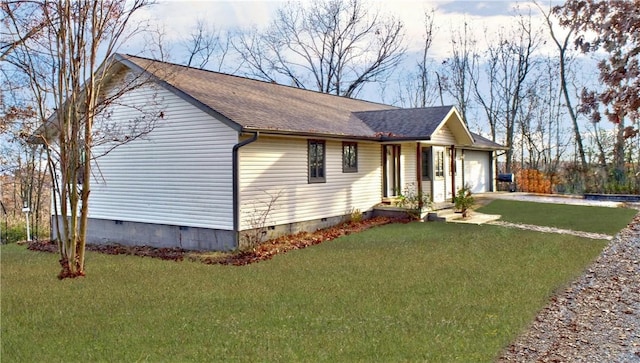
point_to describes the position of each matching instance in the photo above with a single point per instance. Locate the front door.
(391, 170)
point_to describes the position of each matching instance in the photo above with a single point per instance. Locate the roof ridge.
(407, 109)
(259, 80)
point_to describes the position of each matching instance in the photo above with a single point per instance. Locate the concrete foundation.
(271, 232)
(103, 231)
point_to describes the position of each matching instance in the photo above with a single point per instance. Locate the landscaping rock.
(597, 318)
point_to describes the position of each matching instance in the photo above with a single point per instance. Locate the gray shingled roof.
(262, 106)
(484, 143)
(405, 122)
(258, 105)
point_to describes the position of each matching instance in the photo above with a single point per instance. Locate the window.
(426, 163)
(316, 161)
(439, 163)
(349, 157)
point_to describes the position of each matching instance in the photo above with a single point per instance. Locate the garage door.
(477, 170)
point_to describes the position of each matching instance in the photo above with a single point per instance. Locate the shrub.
(463, 200)
(355, 216)
(13, 233)
(411, 198)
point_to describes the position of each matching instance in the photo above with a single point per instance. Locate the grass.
(579, 218)
(406, 292)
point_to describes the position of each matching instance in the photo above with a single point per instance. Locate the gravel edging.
(545, 229)
(597, 318)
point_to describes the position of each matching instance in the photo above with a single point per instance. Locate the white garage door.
(477, 170)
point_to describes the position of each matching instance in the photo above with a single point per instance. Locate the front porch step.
(443, 215)
(441, 206)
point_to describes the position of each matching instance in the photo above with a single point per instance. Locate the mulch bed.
(264, 251)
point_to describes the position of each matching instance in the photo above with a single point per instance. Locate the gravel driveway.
(597, 318)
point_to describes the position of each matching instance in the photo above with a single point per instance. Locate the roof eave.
(404, 138)
(319, 135)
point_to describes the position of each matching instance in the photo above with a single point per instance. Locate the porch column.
(419, 172)
(452, 170)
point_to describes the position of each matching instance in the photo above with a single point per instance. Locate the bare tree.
(30, 24)
(206, 43)
(563, 62)
(70, 66)
(514, 56)
(461, 68)
(333, 46)
(419, 89)
(486, 90)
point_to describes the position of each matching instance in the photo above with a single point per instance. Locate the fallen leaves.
(283, 244)
(264, 251)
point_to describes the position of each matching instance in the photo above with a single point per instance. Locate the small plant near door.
(413, 200)
(463, 200)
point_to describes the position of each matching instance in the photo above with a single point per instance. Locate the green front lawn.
(405, 292)
(578, 218)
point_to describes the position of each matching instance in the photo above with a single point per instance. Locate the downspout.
(236, 185)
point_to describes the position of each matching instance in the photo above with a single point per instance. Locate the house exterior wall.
(443, 136)
(179, 176)
(277, 166)
(409, 167)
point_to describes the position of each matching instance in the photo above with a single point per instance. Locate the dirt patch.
(264, 251)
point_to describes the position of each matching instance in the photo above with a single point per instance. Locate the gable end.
(201, 106)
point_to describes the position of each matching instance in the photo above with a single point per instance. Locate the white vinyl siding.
(409, 167)
(179, 174)
(278, 166)
(443, 136)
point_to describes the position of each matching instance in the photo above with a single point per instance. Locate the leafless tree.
(70, 66)
(514, 51)
(419, 88)
(486, 91)
(332, 46)
(206, 44)
(562, 43)
(461, 68)
(32, 23)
